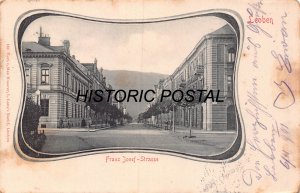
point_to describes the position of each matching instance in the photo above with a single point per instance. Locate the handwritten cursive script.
(285, 98)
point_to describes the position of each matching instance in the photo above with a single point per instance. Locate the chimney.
(67, 46)
(43, 39)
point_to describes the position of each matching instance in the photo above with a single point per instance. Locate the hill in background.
(123, 79)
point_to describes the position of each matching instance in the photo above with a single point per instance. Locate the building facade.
(209, 66)
(53, 79)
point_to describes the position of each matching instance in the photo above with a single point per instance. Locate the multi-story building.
(209, 66)
(53, 79)
(97, 76)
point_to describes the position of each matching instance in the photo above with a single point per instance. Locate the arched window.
(231, 55)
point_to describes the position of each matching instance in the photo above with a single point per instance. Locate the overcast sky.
(157, 47)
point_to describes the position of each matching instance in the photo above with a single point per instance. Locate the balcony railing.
(199, 71)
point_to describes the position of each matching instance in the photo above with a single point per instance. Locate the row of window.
(75, 84)
(202, 60)
(44, 76)
(198, 61)
(77, 111)
(224, 54)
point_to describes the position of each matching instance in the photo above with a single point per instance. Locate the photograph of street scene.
(63, 57)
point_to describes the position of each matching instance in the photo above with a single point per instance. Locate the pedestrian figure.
(166, 125)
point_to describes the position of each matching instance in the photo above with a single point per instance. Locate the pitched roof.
(226, 29)
(35, 47)
(88, 64)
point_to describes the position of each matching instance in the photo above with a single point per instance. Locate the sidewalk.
(93, 128)
(217, 139)
(183, 129)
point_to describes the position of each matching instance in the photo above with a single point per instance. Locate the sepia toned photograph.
(149, 96)
(150, 71)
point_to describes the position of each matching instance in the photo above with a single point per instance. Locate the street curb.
(75, 130)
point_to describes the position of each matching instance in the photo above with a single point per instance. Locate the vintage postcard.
(149, 96)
